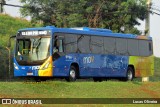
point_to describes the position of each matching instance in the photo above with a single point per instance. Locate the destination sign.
(34, 33)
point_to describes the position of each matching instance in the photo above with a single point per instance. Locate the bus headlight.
(46, 65)
(16, 67)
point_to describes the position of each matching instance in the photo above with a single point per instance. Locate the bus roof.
(87, 31)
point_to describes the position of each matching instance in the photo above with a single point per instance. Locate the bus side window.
(60, 46)
(150, 48)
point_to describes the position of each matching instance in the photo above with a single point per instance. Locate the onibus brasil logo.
(21, 101)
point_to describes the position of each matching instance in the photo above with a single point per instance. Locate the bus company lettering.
(32, 33)
(69, 57)
(87, 60)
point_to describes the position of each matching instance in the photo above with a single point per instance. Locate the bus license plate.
(30, 73)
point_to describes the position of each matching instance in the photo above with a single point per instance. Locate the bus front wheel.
(129, 74)
(72, 74)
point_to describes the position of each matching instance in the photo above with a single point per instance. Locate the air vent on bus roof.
(50, 26)
(101, 30)
(93, 29)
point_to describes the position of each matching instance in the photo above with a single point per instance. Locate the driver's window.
(58, 44)
(23, 47)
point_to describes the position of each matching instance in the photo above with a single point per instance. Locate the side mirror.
(9, 43)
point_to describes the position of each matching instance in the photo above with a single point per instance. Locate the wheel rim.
(130, 76)
(72, 74)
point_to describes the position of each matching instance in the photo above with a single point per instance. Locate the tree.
(111, 14)
(1, 5)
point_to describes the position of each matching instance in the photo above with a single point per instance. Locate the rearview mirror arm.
(9, 43)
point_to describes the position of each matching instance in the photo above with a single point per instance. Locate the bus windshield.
(32, 50)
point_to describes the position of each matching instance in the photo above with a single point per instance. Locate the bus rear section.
(143, 59)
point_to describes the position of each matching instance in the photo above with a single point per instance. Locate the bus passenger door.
(58, 56)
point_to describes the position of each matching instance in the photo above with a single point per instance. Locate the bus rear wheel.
(129, 74)
(72, 74)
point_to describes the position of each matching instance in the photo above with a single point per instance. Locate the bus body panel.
(47, 72)
(25, 70)
(34, 70)
(90, 65)
(144, 66)
(103, 65)
(62, 64)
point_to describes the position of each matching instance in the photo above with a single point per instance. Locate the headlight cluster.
(16, 67)
(46, 65)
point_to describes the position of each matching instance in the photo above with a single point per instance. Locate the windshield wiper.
(36, 47)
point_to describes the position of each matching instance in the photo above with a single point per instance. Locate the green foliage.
(111, 14)
(157, 63)
(156, 76)
(4, 63)
(11, 25)
(8, 26)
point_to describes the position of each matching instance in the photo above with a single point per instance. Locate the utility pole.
(1, 5)
(147, 29)
(9, 62)
(147, 23)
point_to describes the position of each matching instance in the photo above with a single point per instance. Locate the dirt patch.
(5, 96)
(146, 88)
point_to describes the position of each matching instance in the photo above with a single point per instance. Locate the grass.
(80, 89)
(60, 89)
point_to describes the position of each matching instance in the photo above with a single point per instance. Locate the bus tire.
(129, 74)
(72, 74)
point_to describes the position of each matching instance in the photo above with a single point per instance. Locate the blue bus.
(84, 52)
